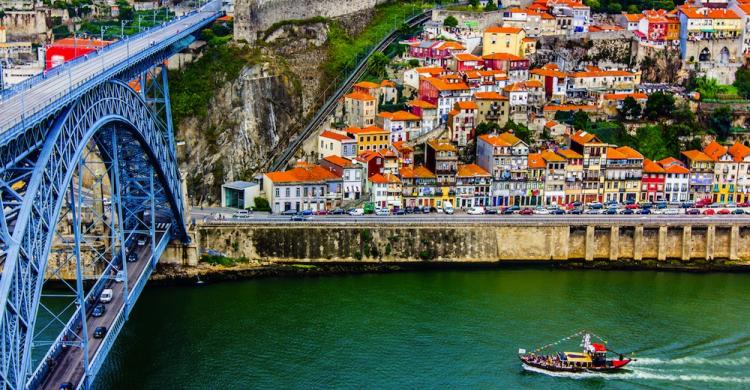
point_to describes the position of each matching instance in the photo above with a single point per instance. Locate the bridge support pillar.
(687, 242)
(710, 241)
(614, 243)
(662, 244)
(734, 242)
(638, 243)
(590, 242)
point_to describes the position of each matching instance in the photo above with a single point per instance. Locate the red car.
(321, 212)
(709, 212)
(744, 204)
(724, 212)
(631, 206)
(526, 211)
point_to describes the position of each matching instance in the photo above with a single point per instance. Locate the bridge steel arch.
(35, 175)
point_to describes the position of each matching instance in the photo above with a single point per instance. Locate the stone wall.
(305, 242)
(253, 16)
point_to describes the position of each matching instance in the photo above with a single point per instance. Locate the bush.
(450, 21)
(261, 204)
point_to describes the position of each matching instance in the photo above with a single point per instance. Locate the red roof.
(599, 347)
(335, 136)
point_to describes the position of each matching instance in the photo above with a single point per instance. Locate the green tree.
(377, 65)
(594, 4)
(490, 6)
(651, 142)
(450, 21)
(261, 204)
(580, 120)
(474, 3)
(520, 131)
(720, 122)
(742, 81)
(659, 105)
(614, 8)
(630, 109)
(633, 9)
(487, 128)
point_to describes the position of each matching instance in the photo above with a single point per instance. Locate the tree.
(520, 131)
(261, 204)
(630, 109)
(450, 21)
(377, 65)
(651, 142)
(720, 122)
(490, 6)
(413, 63)
(742, 81)
(658, 105)
(614, 8)
(486, 128)
(474, 3)
(581, 120)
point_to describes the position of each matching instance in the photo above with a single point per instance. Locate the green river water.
(434, 329)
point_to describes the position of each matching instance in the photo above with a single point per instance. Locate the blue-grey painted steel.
(38, 159)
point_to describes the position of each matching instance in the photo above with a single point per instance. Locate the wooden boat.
(593, 358)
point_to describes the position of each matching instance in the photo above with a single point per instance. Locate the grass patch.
(223, 260)
(304, 266)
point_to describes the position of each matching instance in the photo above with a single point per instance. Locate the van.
(106, 295)
(241, 214)
(447, 207)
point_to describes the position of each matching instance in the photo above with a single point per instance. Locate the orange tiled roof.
(366, 130)
(533, 84)
(549, 155)
(623, 96)
(399, 116)
(632, 17)
(601, 73)
(669, 161)
(569, 107)
(582, 137)
(367, 85)
(338, 160)
(715, 150)
(402, 147)
(503, 30)
(442, 85)
(419, 172)
(421, 104)
(652, 167)
(614, 154)
(359, 96)
(335, 136)
(467, 57)
(504, 139)
(489, 96)
(80, 42)
(442, 145)
(739, 151)
(384, 179)
(548, 72)
(433, 71)
(630, 152)
(696, 155)
(306, 174)
(536, 161)
(452, 45)
(367, 155)
(551, 123)
(677, 169)
(567, 153)
(466, 105)
(387, 83)
(707, 13)
(515, 87)
(471, 170)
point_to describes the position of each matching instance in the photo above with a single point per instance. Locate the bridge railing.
(41, 109)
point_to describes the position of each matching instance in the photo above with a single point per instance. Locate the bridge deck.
(68, 366)
(61, 82)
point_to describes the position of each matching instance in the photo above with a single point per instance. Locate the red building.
(372, 161)
(652, 181)
(467, 61)
(66, 49)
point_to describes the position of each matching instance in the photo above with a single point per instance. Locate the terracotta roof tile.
(442, 145)
(536, 161)
(503, 30)
(471, 170)
(359, 96)
(696, 155)
(419, 172)
(335, 136)
(739, 151)
(308, 174)
(567, 153)
(338, 160)
(652, 167)
(422, 104)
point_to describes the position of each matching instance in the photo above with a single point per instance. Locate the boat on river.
(593, 358)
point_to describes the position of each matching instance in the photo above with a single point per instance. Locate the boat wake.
(643, 374)
(698, 361)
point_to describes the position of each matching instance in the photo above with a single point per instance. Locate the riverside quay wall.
(685, 242)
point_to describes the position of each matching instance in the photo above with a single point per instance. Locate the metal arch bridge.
(90, 195)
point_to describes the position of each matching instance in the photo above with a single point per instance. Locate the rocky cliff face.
(247, 118)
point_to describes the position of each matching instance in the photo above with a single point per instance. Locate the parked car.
(724, 212)
(744, 204)
(540, 211)
(576, 204)
(426, 210)
(300, 217)
(709, 212)
(738, 211)
(595, 205)
(241, 214)
(660, 205)
(141, 241)
(99, 332)
(106, 295)
(645, 211)
(321, 212)
(307, 212)
(511, 209)
(409, 210)
(338, 211)
(98, 310)
(526, 211)
(490, 210)
(627, 212)
(357, 212)
(448, 207)
(382, 212)
(670, 211)
(120, 276)
(593, 211)
(289, 212)
(610, 211)
(692, 212)
(478, 210)
(631, 206)
(687, 205)
(557, 211)
(576, 211)
(398, 211)
(132, 257)
(66, 386)
(646, 205)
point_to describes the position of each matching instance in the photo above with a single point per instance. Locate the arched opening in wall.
(705, 55)
(724, 56)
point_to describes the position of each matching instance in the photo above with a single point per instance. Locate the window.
(277, 192)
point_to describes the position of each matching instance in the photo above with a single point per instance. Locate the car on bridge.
(99, 332)
(132, 257)
(106, 296)
(99, 310)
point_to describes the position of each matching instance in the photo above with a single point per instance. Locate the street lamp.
(122, 28)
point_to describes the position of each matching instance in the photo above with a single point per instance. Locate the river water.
(434, 329)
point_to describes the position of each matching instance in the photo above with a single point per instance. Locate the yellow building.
(371, 138)
(509, 40)
(360, 108)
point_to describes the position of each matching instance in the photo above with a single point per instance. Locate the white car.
(670, 211)
(357, 212)
(120, 276)
(106, 295)
(141, 241)
(382, 212)
(447, 207)
(241, 214)
(541, 211)
(478, 210)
